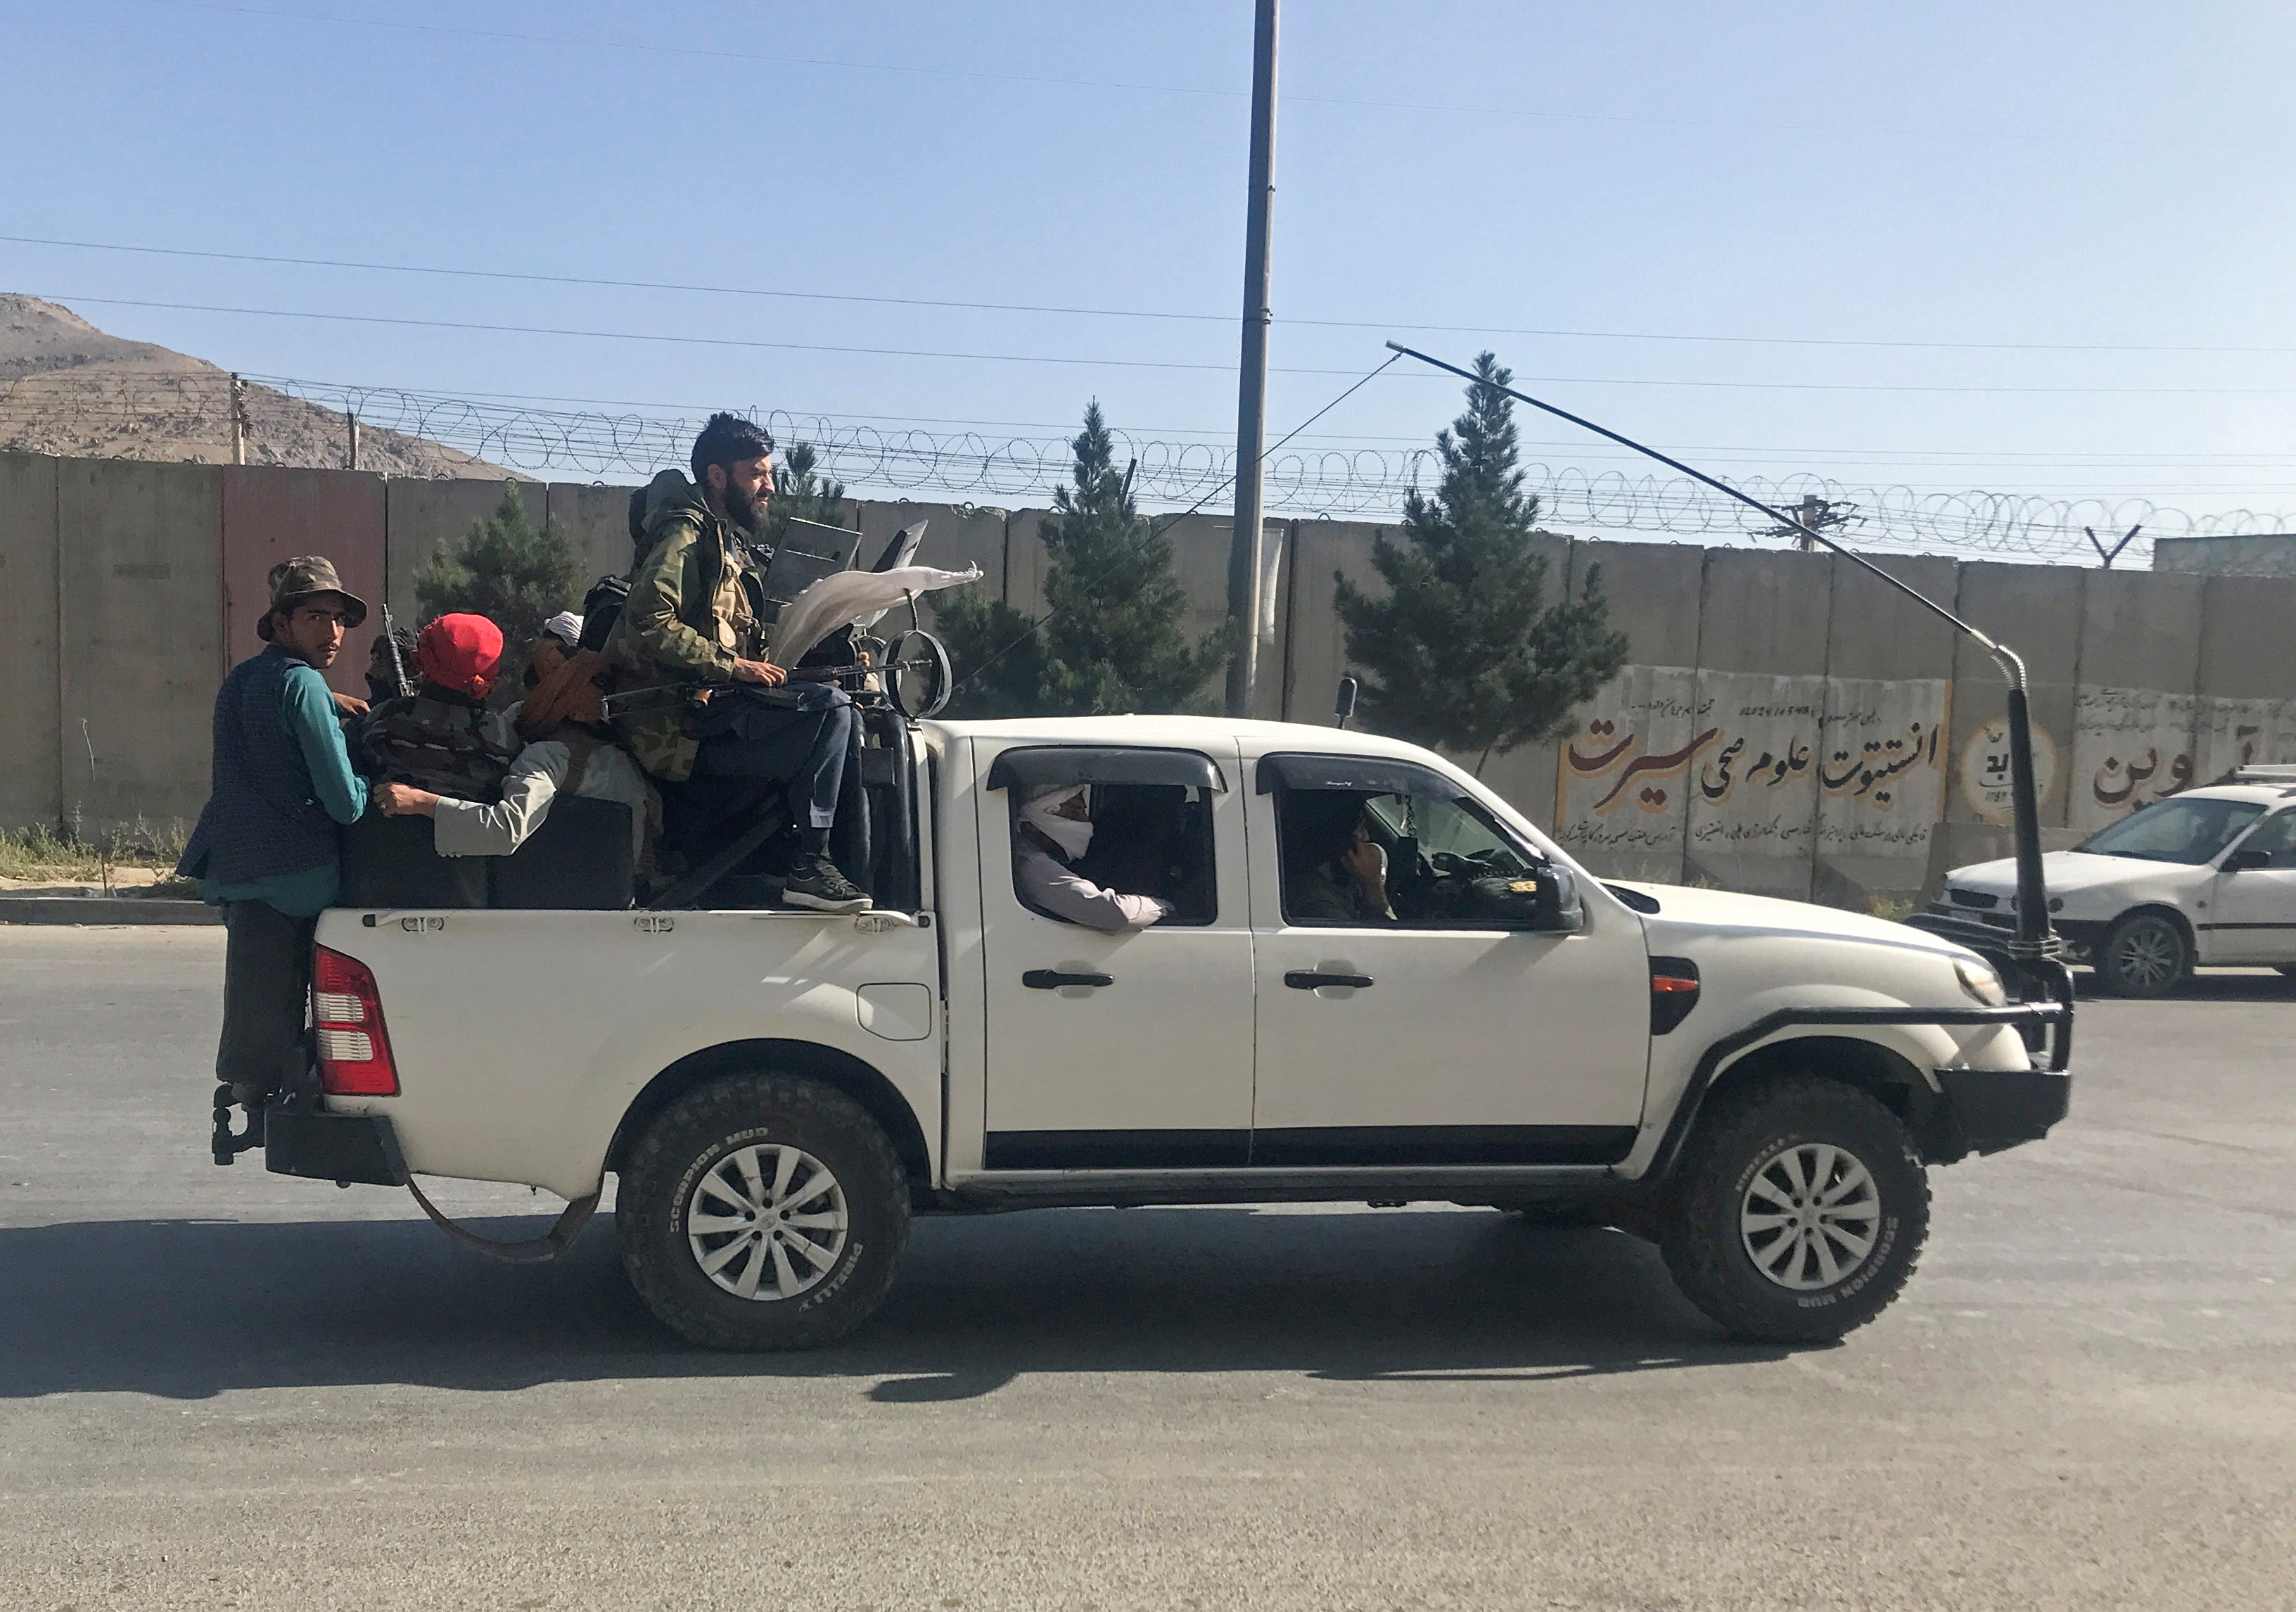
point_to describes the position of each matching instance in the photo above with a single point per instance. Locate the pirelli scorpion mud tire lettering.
(1798, 1212)
(763, 1211)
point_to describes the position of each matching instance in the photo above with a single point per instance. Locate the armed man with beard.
(695, 615)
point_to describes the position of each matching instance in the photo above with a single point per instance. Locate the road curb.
(104, 910)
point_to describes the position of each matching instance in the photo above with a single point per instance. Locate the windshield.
(2175, 831)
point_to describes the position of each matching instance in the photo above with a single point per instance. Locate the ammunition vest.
(435, 745)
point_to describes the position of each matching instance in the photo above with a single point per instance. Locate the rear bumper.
(340, 1147)
(1986, 1110)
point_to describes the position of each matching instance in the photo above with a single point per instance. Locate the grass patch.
(43, 853)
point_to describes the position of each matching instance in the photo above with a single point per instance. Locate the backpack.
(602, 606)
(447, 749)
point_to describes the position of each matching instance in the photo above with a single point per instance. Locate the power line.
(1200, 91)
(1154, 530)
(910, 352)
(1125, 313)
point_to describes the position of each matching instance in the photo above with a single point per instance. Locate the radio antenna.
(2035, 936)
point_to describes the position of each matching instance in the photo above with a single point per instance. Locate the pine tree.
(802, 493)
(507, 569)
(1112, 640)
(1464, 653)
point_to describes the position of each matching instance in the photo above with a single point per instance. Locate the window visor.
(1032, 767)
(1371, 775)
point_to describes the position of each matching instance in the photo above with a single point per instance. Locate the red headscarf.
(460, 652)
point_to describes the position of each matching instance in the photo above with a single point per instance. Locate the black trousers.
(795, 736)
(266, 989)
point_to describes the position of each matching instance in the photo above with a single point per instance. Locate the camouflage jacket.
(672, 630)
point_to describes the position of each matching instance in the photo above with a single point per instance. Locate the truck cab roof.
(1192, 732)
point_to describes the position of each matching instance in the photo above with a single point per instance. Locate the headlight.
(1981, 981)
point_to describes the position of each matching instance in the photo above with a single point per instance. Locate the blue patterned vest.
(262, 816)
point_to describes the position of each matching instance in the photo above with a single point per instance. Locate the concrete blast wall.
(31, 756)
(1786, 723)
(140, 613)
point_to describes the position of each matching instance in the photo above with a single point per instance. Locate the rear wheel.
(1798, 1212)
(763, 1211)
(2144, 955)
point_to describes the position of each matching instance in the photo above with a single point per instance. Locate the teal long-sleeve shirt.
(307, 709)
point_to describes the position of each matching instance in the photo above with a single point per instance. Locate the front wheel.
(2145, 955)
(763, 1211)
(1798, 1212)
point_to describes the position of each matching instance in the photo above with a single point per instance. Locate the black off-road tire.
(2145, 955)
(708, 1127)
(1742, 1134)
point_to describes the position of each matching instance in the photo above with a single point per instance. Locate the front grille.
(1973, 898)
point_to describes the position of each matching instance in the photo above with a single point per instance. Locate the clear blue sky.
(2102, 175)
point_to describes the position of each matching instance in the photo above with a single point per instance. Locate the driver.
(1334, 871)
(1056, 826)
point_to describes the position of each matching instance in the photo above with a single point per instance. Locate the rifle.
(398, 661)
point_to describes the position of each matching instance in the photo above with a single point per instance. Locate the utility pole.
(238, 421)
(1244, 575)
(1813, 511)
(353, 418)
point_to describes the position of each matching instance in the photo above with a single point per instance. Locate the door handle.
(1053, 979)
(1306, 979)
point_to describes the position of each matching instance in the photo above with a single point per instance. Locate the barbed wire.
(1339, 483)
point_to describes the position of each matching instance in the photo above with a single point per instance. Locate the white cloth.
(847, 595)
(1046, 883)
(468, 828)
(1072, 835)
(566, 627)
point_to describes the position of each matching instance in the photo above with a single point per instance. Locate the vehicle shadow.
(187, 1308)
(2208, 985)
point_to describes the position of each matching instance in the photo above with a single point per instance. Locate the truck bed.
(522, 1038)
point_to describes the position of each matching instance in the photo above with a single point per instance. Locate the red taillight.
(347, 1020)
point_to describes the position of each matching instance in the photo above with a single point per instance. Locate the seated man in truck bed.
(695, 617)
(568, 749)
(441, 738)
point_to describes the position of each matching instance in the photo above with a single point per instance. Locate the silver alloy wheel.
(2148, 954)
(1810, 1216)
(767, 1221)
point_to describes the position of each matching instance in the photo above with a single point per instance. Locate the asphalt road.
(220, 1388)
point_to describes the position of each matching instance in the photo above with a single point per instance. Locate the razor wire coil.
(1332, 483)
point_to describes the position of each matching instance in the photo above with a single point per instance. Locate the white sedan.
(2208, 876)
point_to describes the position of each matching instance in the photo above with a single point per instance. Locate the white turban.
(1069, 833)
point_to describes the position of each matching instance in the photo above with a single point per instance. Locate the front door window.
(1407, 1012)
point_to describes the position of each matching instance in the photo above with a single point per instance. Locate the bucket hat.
(294, 580)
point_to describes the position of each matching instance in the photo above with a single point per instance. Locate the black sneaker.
(815, 882)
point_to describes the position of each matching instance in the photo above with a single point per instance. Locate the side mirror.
(1545, 901)
(1557, 908)
(2241, 861)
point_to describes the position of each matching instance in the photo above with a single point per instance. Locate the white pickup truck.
(1760, 1086)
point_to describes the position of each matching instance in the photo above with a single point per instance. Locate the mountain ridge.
(71, 389)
